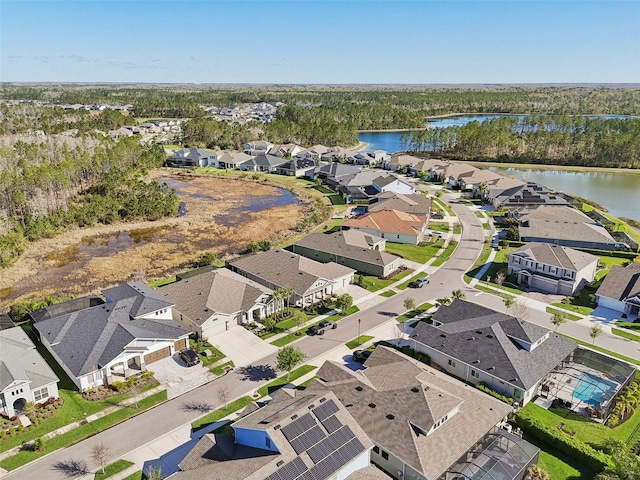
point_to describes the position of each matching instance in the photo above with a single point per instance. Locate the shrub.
(118, 386)
(486, 389)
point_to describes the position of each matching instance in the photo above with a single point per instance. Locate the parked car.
(361, 355)
(419, 283)
(436, 215)
(328, 324)
(190, 357)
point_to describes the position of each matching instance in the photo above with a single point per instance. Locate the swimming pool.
(594, 390)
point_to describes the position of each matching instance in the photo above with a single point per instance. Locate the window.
(452, 363)
(384, 455)
(376, 449)
(41, 394)
(475, 374)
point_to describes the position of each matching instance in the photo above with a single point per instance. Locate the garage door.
(159, 355)
(215, 329)
(180, 344)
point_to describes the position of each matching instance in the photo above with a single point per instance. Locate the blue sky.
(417, 42)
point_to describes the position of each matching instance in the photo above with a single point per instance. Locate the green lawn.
(480, 214)
(219, 370)
(271, 387)
(415, 312)
(553, 311)
(135, 476)
(499, 263)
(373, 284)
(215, 353)
(219, 414)
(482, 288)
(480, 262)
(439, 226)
(333, 225)
(559, 465)
(625, 334)
(579, 302)
(506, 288)
(608, 263)
(444, 206)
(292, 337)
(323, 189)
(84, 431)
(162, 281)
(388, 293)
(415, 253)
(457, 228)
(110, 470)
(406, 283)
(446, 254)
(355, 344)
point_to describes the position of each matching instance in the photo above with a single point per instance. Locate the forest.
(557, 140)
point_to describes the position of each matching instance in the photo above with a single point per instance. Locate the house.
(430, 167)
(400, 162)
(392, 225)
(415, 204)
(338, 154)
(355, 188)
(523, 195)
(450, 173)
(476, 180)
(262, 163)
(552, 268)
(620, 290)
(6, 322)
(120, 338)
(373, 157)
(230, 160)
(391, 183)
(424, 424)
(296, 436)
(352, 248)
(332, 174)
(214, 301)
(312, 153)
(298, 167)
(477, 344)
(191, 157)
(24, 375)
(564, 226)
(309, 280)
(285, 150)
(257, 147)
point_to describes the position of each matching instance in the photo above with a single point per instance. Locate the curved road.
(148, 426)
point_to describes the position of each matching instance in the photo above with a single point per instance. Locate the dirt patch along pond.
(221, 215)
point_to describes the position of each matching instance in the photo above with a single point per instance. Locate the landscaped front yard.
(415, 253)
(373, 283)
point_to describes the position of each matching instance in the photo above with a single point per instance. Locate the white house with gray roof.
(550, 268)
(192, 157)
(620, 290)
(263, 162)
(391, 183)
(352, 248)
(24, 375)
(120, 338)
(477, 344)
(212, 302)
(423, 423)
(309, 280)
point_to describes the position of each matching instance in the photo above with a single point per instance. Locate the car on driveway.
(419, 283)
(361, 355)
(190, 357)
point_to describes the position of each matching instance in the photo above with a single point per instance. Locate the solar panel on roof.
(329, 445)
(331, 424)
(298, 427)
(325, 410)
(289, 471)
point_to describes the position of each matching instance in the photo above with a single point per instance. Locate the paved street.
(165, 418)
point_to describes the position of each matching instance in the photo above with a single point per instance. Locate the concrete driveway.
(174, 373)
(242, 346)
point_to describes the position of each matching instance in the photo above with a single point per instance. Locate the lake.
(619, 193)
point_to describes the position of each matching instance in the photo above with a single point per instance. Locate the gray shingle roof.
(89, 339)
(528, 194)
(414, 203)
(349, 244)
(621, 282)
(485, 339)
(146, 300)
(218, 291)
(286, 269)
(396, 399)
(556, 255)
(20, 361)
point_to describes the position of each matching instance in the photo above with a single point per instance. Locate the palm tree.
(459, 294)
(596, 331)
(508, 303)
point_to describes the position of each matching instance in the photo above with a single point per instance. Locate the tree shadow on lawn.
(257, 373)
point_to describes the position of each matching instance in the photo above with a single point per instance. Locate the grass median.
(271, 387)
(355, 343)
(110, 470)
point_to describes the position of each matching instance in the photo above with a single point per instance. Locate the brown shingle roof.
(414, 203)
(556, 255)
(392, 221)
(621, 282)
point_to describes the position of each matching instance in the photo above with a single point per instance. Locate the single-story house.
(523, 195)
(399, 161)
(431, 167)
(262, 163)
(620, 290)
(332, 173)
(564, 226)
(120, 338)
(309, 280)
(425, 425)
(415, 203)
(230, 160)
(477, 179)
(285, 150)
(214, 301)
(192, 157)
(296, 436)
(373, 157)
(352, 248)
(298, 167)
(312, 153)
(392, 225)
(453, 171)
(257, 147)
(477, 344)
(551, 268)
(24, 375)
(391, 183)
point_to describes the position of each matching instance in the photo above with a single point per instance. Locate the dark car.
(190, 357)
(326, 324)
(419, 283)
(361, 355)
(317, 330)
(437, 216)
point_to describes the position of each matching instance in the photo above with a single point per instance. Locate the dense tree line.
(557, 140)
(211, 133)
(43, 192)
